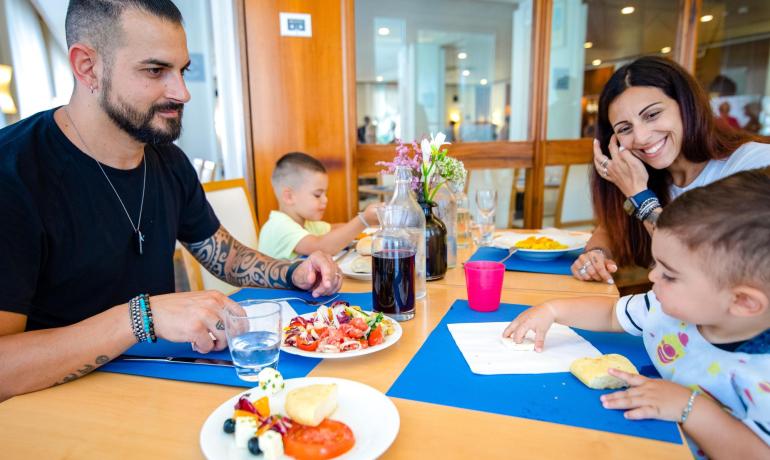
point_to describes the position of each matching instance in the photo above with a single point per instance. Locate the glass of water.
(254, 339)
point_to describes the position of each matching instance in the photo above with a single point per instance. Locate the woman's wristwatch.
(643, 206)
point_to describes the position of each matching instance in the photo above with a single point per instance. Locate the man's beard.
(138, 125)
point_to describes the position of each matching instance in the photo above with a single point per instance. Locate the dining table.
(113, 415)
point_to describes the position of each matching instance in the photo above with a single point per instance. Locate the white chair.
(573, 206)
(232, 204)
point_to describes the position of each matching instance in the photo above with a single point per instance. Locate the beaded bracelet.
(647, 207)
(688, 407)
(142, 323)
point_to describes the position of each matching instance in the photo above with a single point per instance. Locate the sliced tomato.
(327, 440)
(307, 346)
(376, 337)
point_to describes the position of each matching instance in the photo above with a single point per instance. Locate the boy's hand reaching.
(647, 398)
(370, 214)
(538, 319)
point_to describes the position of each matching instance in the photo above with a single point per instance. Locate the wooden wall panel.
(475, 155)
(298, 101)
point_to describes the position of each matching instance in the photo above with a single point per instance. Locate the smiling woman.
(656, 139)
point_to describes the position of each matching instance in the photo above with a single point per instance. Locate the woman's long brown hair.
(703, 140)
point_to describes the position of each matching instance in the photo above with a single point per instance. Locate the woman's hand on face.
(622, 168)
(593, 265)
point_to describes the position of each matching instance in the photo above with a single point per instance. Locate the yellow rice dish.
(542, 242)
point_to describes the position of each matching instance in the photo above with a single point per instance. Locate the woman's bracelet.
(597, 248)
(688, 407)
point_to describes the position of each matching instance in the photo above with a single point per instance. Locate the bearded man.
(94, 196)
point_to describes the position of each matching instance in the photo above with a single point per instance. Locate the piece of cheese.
(311, 404)
(271, 445)
(364, 246)
(593, 371)
(270, 380)
(528, 344)
(245, 429)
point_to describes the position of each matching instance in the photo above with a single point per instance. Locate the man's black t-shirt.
(67, 248)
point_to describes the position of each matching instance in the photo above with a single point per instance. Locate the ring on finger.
(582, 270)
(604, 163)
(605, 172)
(212, 336)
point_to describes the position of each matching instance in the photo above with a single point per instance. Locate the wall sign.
(296, 25)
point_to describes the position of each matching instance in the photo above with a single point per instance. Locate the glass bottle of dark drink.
(394, 251)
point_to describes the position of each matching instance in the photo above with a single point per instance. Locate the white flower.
(425, 146)
(439, 140)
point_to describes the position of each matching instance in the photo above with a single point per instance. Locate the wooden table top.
(104, 415)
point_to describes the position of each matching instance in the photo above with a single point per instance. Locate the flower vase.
(435, 244)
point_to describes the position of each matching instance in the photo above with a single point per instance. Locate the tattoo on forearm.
(87, 369)
(232, 262)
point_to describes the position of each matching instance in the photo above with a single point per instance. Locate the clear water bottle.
(463, 225)
(394, 251)
(415, 222)
(447, 212)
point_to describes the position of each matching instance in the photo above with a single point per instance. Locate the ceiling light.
(706, 18)
(628, 10)
(587, 45)
(379, 78)
(596, 62)
(483, 81)
(466, 73)
(462, 55)
(665, 50)
(743, 9)
(383, 31)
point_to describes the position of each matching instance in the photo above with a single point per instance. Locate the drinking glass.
(486, 200)
(254, 339)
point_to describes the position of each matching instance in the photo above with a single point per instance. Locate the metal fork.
(312, 303)
(511, 252)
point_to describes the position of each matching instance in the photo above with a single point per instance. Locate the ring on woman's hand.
(621, 148)
(582, 270)
(605, 172)
(604, 163)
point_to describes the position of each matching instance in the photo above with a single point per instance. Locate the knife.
(178, 360)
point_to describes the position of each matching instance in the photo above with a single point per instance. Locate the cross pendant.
(139, 242)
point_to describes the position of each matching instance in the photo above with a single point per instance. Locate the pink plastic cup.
(484, 281)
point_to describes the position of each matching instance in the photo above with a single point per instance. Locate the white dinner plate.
(389, 340)
(345, 265)
(371, 416)
(509, 239)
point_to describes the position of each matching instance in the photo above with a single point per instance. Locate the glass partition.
(589, 40)
(457, 66)
(733, 62)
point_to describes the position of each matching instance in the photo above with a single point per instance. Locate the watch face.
(629, 207)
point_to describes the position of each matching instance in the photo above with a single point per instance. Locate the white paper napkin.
(485, 353)
(287, 312)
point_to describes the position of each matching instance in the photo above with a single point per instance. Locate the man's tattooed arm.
(87, 369)
(232, 262)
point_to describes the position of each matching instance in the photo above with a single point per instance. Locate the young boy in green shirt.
(300, 183)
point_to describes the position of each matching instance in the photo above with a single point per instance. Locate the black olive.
(229, 426)
(254, 446)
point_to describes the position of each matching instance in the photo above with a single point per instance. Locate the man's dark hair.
(289, 167)
(97, 22)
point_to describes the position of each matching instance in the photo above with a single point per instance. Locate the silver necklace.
(138, 235)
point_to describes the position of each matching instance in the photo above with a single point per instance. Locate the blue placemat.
(438, 374)
(291, 366)
(559, 266)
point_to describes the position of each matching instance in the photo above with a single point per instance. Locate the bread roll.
(528, 344)
(362, 264)
(311, 404)
(364, 246)
(593, 371)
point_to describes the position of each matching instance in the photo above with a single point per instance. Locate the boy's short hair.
(289, 167)
(727, 223)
